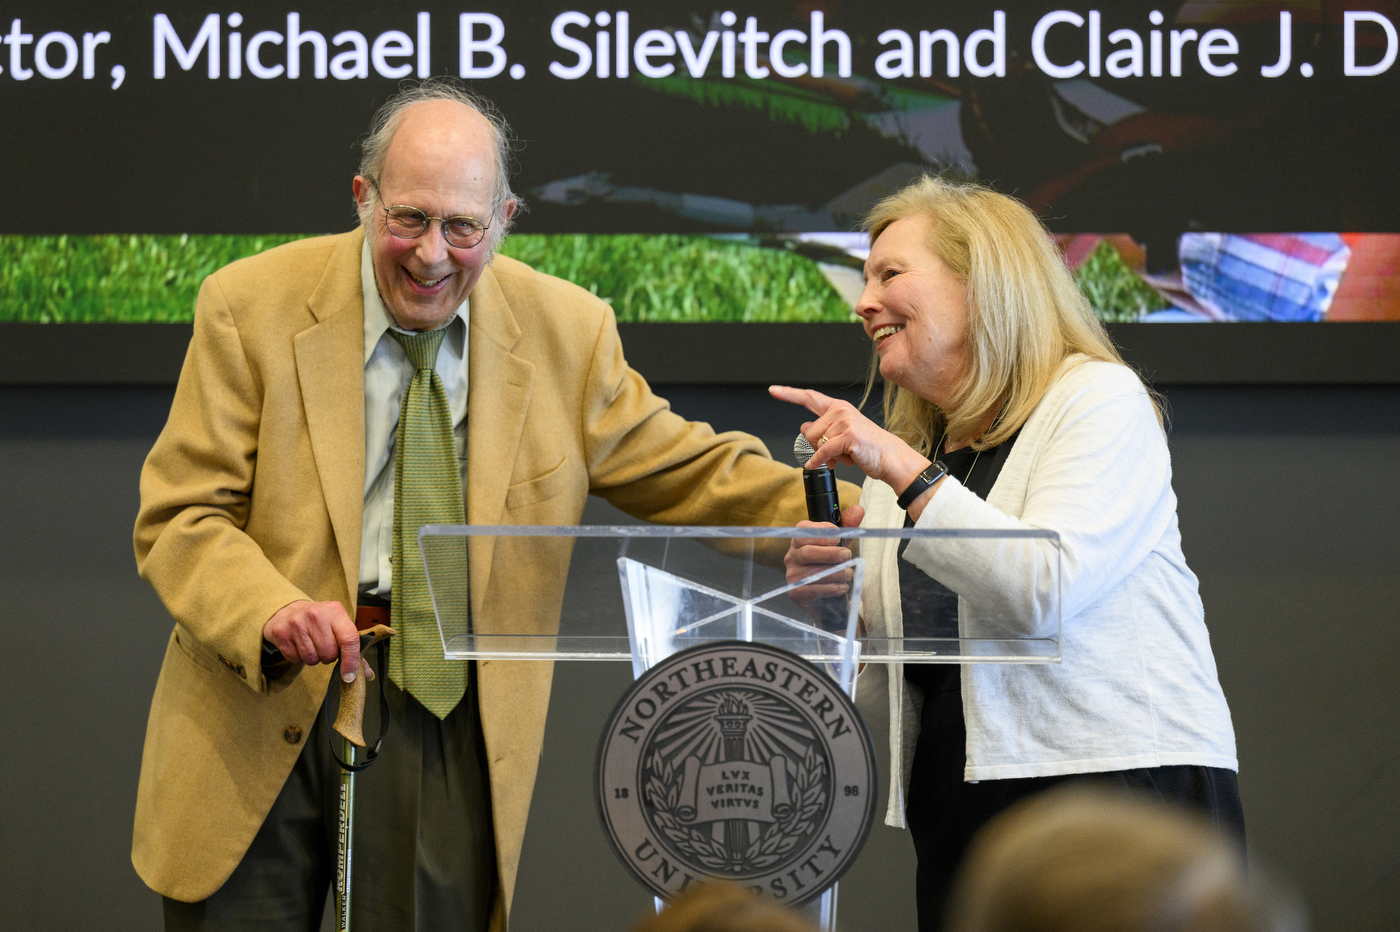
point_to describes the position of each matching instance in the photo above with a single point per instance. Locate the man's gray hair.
(386, 122)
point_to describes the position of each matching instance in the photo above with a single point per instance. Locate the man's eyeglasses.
(411, 223)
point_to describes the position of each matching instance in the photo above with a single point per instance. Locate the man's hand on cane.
(316, 632)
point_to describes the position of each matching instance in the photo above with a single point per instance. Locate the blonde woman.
(1006, 406)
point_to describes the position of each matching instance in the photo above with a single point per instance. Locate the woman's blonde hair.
(1026, 316)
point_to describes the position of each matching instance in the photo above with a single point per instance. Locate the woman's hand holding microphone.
(841, 434)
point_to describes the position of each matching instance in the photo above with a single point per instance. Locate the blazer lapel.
(330, 369)
(498, 398)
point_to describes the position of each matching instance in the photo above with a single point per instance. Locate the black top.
(931, 608)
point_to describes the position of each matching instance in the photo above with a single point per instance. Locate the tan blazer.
(252, 498)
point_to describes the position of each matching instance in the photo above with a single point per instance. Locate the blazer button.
(233, 667)
(292, 735)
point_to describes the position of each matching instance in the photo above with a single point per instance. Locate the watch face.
(935, 471)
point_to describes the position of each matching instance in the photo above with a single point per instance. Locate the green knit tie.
(427, 490)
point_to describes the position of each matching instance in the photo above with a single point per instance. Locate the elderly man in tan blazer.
(261, 510)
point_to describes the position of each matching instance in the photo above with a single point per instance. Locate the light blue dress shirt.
(387, 374)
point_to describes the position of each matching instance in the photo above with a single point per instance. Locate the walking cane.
(349, 724)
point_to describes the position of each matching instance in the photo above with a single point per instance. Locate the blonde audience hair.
(1027, 319)
(723, 907)
(1091, 860)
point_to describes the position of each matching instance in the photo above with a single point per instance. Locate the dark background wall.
(1289, 499)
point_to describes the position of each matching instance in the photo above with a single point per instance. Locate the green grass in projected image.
(49, 279)
(154, 279)
(686, 278)
(62, 279)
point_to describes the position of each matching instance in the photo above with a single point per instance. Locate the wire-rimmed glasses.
(410, 223)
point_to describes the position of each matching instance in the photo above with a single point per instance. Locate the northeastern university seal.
(737, 761)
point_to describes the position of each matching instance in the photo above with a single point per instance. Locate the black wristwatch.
(936, 470)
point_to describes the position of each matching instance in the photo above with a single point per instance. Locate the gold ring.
(822, 441)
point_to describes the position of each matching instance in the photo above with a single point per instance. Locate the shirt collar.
(377, 319)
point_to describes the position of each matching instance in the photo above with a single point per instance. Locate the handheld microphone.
(823, 504)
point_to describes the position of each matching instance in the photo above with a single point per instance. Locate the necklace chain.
(941, 451)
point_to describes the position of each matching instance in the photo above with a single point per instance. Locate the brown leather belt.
(367, 616)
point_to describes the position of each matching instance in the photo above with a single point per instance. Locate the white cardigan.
(1137, 685)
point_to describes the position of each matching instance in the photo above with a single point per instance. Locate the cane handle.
(350, 720)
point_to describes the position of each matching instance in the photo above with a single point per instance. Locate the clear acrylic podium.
(641, 593)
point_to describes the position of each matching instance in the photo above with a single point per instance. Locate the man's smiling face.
(442, 160)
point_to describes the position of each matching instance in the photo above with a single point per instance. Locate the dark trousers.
(944, 811)
(424, 850)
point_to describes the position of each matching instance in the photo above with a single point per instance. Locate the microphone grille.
(802, 450)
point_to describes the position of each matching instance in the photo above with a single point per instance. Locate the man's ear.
(509, 207)
(361, 188)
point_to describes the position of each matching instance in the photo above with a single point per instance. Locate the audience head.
(1081, 860)
(723, 907)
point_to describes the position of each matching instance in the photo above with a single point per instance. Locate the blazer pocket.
(541, 488)
(197, 653)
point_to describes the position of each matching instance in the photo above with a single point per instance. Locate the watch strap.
(935, 471)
